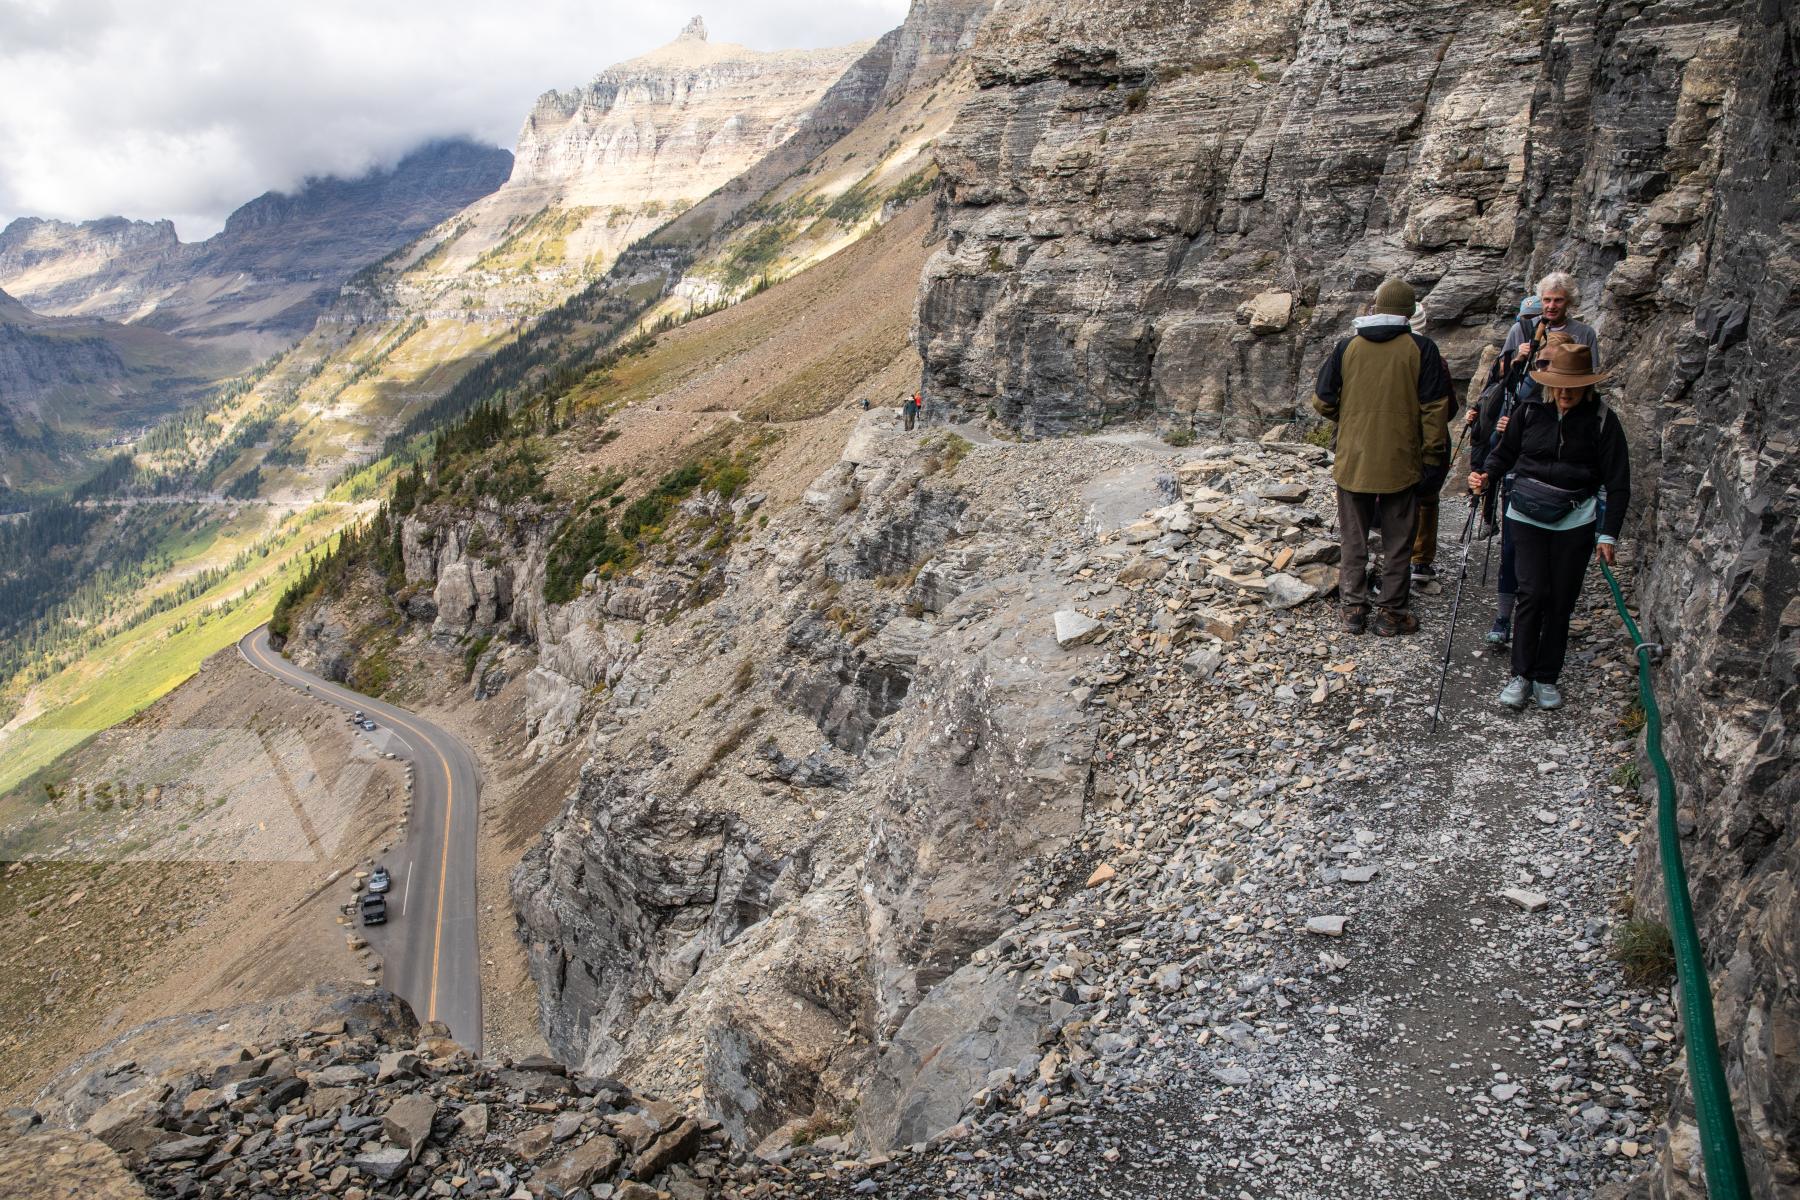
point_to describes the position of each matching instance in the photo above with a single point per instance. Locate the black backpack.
(1506, 381)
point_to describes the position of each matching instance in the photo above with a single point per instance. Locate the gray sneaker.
(1514, 693)
(1547, 696)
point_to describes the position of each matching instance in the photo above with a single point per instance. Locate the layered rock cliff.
(600, 166)
(1132, 176)
(1172, 210)
(261, 281)
(694, 107)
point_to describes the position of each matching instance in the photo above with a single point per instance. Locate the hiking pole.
(1462, 573)
(1488, 527)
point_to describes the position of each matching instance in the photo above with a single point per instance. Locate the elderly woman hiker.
(1560, 455)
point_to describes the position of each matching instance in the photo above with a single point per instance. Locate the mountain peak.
(693, 31)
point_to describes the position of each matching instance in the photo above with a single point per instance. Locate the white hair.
(1557, 281)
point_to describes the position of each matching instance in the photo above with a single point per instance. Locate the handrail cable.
(1722, 1155)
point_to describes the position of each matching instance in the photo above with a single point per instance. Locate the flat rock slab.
(1281, 590)
(595, 1159)
(388, 1162)
(1358, 874)
(1332, 926)
(1529, 901)
(1075, 629)
(407, 1121)
(182, 1148)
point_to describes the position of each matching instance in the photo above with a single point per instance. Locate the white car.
(380, 880)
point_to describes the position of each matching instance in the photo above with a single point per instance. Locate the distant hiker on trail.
(1496, 414)
(1562, 453)
(911, 407)
(1388, 390)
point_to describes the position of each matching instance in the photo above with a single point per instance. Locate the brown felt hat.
(1570, 366)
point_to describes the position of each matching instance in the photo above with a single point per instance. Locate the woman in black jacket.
(1491, 420)
(1561, 455)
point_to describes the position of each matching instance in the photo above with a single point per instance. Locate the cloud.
(187, 108)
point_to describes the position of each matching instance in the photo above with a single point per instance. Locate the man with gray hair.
(1557, 292)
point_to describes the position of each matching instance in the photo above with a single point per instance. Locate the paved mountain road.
(429, 943)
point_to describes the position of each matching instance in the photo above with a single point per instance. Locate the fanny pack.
(1545, 502)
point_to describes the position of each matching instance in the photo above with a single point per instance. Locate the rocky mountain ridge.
(264, 279)
(600, 167)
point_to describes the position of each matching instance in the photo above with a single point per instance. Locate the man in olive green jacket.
(1389, 392)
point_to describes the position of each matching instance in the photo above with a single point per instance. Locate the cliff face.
(1713, 304)
(683, 119)
(266, 276)
(1173, 210)
(94, 268)
(1131, 175)
(600, 166)
(68, 385)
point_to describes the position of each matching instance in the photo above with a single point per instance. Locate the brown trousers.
(1424, 551)
(1394, 518)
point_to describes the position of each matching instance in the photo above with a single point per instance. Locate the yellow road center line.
(437, 938)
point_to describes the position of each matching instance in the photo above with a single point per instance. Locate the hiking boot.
(1424, 573)
(1501, 633)
(1392, 622)
(1356, 620)
(1548, 698)
(1514, 693)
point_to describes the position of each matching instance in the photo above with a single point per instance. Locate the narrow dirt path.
(1308, 981)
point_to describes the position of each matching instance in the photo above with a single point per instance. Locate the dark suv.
(374, 909)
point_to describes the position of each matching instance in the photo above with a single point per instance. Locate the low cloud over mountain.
(182, 109)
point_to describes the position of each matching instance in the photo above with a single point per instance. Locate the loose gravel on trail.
(1306, 948)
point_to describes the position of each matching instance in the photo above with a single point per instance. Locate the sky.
(186, 109)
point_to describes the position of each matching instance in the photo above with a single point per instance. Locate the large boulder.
(970, 1026)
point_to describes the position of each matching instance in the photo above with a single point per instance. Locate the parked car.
(359, 716)
(374, 909)
(380, 880)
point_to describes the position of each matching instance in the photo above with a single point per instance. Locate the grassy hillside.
(128, 664)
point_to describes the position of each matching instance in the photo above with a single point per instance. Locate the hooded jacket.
(1580, 451)
(1389, 392)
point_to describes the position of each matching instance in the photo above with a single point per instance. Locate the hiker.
(1495, 415)
(1388, 390)
(1561, 454)
(910, 409)
(1525, 328)
(1556, 294)
(1429, 492)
